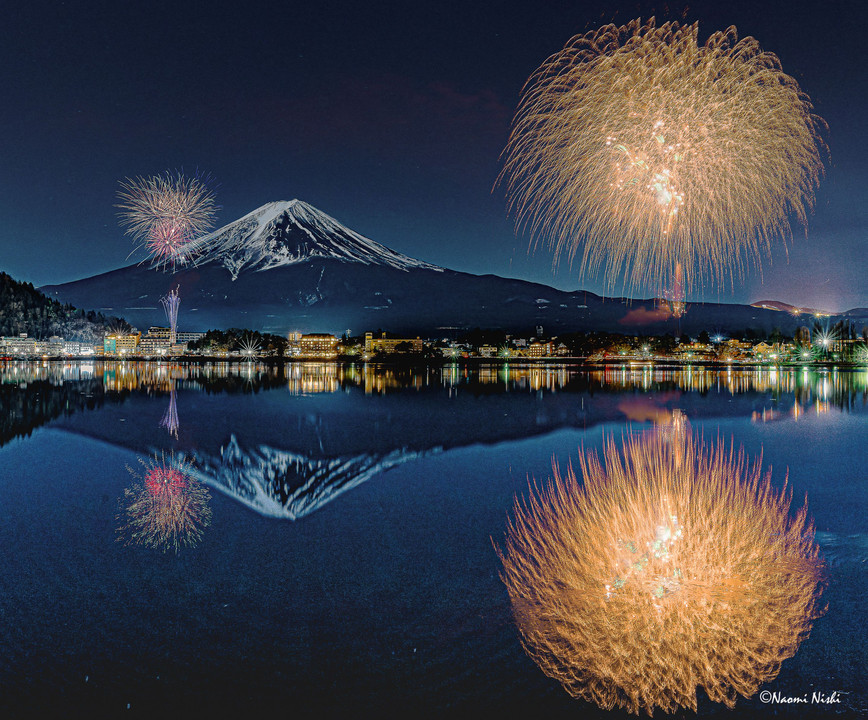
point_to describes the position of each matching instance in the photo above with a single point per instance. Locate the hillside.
(24, 309)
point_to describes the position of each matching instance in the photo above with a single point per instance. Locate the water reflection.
(284, 484)
(839, 388)
(170, 419)
(167, 507)
(671, 566)
(287, 439)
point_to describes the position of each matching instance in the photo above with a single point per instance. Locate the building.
(121, 343)
(158, 341)
(77, 349)
(321, 346)
(539, 349)
(24, 346)
(389, 345)
(182, 338)
(159, 333)
(19, 345)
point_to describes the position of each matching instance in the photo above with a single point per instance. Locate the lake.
(345, 561)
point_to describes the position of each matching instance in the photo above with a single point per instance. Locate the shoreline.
(445, 362)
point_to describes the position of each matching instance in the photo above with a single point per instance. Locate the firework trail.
(675, 296)
(168, 508)
(170, 304)
(166, 214)
(635, 149)
(673, 566)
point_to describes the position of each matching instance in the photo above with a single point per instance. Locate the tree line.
(23, 309)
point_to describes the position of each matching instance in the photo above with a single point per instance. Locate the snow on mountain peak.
(284, 233)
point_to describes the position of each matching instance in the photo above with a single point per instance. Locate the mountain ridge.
(288, 267)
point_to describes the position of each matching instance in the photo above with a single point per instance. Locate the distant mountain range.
(290, 267)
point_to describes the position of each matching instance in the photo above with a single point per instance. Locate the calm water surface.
(348, 569)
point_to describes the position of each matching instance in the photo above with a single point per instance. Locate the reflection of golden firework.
(168, 509)
(675, 566)
(647, 149)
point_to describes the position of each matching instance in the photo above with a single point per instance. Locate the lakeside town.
(835, 345)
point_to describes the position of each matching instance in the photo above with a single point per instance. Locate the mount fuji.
(287, 266)
(285, 233)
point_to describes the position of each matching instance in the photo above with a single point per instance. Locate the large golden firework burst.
(673, 566)
(635, 148)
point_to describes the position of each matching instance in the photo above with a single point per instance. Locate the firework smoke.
(674, 566)
(166, 214)
(636, 148)
(168, 508)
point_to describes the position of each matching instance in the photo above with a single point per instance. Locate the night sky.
(390, 117)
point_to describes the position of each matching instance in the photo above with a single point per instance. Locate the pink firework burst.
(168, 508)
(167, 242)
(165, 484)
(166, 214)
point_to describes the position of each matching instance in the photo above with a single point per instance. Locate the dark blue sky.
(388, 116)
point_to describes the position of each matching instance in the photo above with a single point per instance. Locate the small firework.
(167, 508)
(170, 304)
(166, 214)
(249, 348)
(636, 148)
(673, 566)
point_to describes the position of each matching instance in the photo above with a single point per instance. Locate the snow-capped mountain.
(284, 233)
(289, 267)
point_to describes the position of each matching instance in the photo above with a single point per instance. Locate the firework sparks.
(170, 304)
(675, 296)
(168, 508)
(635, 149)
(170, 419)
(249, 348)
(674, 566)
(166, 214)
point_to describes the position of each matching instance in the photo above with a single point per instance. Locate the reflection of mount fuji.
(266, 439)
(285, 484)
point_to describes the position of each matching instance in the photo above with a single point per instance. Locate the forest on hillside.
(23, 309)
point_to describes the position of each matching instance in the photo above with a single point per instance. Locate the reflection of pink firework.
(166, 241)
(164, 484)
(168, 509)
(166, 214)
